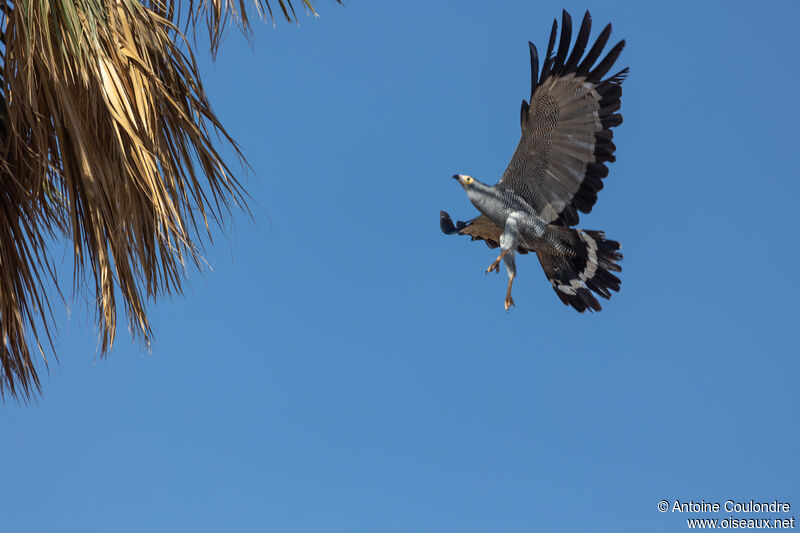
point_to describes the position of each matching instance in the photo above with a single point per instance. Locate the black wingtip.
(534, 66)
(605, 65)
(566, 18)
(580, 43)
(446, 223)
(548, 60)
(523, 115)
(595, 51)
(563, 44)
(447, 226)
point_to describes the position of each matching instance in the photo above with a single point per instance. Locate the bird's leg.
(511, 268)
(495, 266)
(509, 240)
(509, 300)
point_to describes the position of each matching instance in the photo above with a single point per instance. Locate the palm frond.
(215, 14)
(106, 136)
(24, 227)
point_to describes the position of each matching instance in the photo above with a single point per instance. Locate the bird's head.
(468, 182)
(464, 180)
(471, 186)
(481, 195)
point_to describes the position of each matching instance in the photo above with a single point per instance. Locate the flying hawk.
(556, 171)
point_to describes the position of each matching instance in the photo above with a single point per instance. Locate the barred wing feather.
(566, 141)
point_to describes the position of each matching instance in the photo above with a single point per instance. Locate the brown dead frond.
(24, 227)
(216, 14)
(106, 136)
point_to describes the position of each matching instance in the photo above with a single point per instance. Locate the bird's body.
(555, 172)
(498, 203)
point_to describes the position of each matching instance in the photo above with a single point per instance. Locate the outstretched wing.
(566, 131)
(479, 228)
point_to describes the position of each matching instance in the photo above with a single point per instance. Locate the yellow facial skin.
(464, 180)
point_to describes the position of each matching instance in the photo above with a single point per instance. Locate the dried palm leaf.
(106, 136)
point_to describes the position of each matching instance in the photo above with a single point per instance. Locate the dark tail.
(578, 263)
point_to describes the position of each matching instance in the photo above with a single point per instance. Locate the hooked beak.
(459, 178)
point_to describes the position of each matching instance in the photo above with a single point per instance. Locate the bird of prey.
(556, 171)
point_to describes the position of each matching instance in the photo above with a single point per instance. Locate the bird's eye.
(468, 180)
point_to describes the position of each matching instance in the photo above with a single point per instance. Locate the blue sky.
(345, 367)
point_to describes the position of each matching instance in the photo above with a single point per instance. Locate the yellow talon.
(496, 265)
